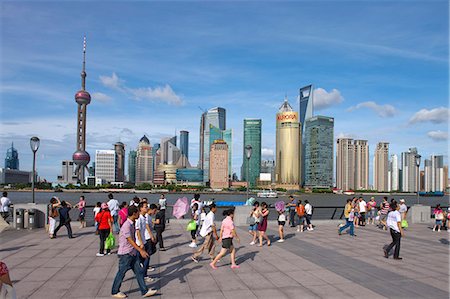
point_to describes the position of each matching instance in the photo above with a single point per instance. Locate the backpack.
(300, 210)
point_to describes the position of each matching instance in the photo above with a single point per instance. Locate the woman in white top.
(253, 225)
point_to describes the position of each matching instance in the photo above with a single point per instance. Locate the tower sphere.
(83, 97)
(81, 158)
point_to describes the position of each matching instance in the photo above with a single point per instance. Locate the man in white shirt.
(113, 206)
(362, 211)
(308, 215)
(141, 240)
(207, 231)
(5, 202)
(403, 209)
(394, 222)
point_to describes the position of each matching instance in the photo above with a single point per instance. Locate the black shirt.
(64, 214)
(160, 216)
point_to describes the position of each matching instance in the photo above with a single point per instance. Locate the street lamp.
(248, 154)
(34, 144)
(418, 157)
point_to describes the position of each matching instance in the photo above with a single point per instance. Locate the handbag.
(251, 220)
(192, 225)
(404, 223)
(110, 242)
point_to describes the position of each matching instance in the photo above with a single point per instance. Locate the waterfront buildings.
(345, 164)
(381, 167)
(318, 147)
(410, 170)
(434, 177)
(12, 158)
(306, 111)
(15, 176)
(189, 175)
(394, 174)
(218, 170)
(119, 148)
(67, 174)
(288, 147)
(252, 136)
(267, 171)
(132, 166)
(361, 165)
(105, 165)
(184, 143)
(144, 162)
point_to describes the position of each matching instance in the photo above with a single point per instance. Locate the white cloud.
(382, 110)
(436, 115)
(438, 135)
(267, 152)
(101, 97)
(345, 135)
(324, 99)
(154, 94)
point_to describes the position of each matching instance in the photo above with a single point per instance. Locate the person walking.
(439, 217)
(362, 211)
(292, 204)
(5, 202)
(384, 210)
(371, 210)
(52, 214)
(159, 225)
(113, 206)
(123, 213)
(81, 205)
(128, 259)
(394, 222)
(64, 219)
(195, 216)
(281, 223)
(96, 210)
(300, 210)
(207, 231)
(162, 206)
(252, 228)
(142, 229)
(105, 227)
(262, 225)
(348, 214)
(227, 233)
(7, 290)
(150, 235)
(308, 215)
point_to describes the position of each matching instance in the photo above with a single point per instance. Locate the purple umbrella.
(279, 206)
(180, 208)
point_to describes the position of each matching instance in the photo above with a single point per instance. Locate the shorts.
(227, 243)
(253, 227)
(371, 213)
(438, 222)
(300, 220)
(282, 223)
(383, 217)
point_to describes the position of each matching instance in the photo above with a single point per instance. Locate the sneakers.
(194, 259)
(149, 279)
(119, 295)
(434, 229)
(398, 258)
(162, 249)
(252, 243)
(193, 245)
(101, 254)
(280, 241)
(150, 293)
(151, 269)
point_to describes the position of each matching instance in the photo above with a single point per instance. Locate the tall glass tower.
(184, 143)
(12, 158)
(319, 136)
(132, 166)
(306, 112)
(252, 136)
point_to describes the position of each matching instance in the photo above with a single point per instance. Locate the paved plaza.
(318, 264)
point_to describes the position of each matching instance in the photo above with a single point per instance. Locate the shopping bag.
(404, 223)
(191, 225)
(110, 242)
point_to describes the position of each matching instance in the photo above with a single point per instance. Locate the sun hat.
(402, 200)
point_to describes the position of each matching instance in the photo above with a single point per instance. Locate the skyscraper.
(394, 174)
(67, 176)
(81, 157)
(288, 147)
(306, 112)
(361, 165)
(381, 167)
(144, 162)
(434, 174)
(132, 167)
(345, 164)
(427, 173)
(119, 148)
(410, 170)
(319, 141)
(12, 158)
(252, 136)
(105, 165)
(219, 165)
(184, 143)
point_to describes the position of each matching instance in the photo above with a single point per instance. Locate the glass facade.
(214, 117)
(184, 143)
(252, 136)
(132, 167)
(319, 136)
(12, 158)
(190, 175)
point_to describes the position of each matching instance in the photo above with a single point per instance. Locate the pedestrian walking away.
(300, 210)
(5, 202)
(394, 222)
(113, 206)
(209, 232)
(253, 222)
(162, 206)
(308, 215)
(128, 258)
(123, 213)
(227, 233)
(292, 204)
(81, 205)
(52, 214)
(262, 225)
(159, 225)
(105, 227)
(64, 219)
(348, 214)
(384, 210)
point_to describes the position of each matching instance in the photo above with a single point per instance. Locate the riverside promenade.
(317, 264)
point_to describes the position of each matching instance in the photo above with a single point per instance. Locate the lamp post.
(248, 154)
(34, 144)
(418, 157)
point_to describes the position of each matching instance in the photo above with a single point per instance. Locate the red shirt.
(102, 219)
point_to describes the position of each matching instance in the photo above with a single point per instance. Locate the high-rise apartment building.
(12, 158)
(361, 165)
(105, 165)
(252, 137)
(132, 167)
(268, 166)
(427, 173)
(67, 175)
(345, 164)
(184, 143)
(119, 148)
(219, 165)
(410, 170)
(434, 174)
(394, 174)
(288, 147)
(381, 167)
(319, 139)
(144, 162)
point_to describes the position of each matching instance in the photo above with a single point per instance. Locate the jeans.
(129, 262)
(67, 225)
(146, 262)
(348, 224)
(292, 214)
(159, 239)
(396, 236)
(116, 223)
(103, 233)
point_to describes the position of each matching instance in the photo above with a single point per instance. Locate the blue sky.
(380, 69)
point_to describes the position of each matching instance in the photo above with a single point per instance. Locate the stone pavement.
(318, 264)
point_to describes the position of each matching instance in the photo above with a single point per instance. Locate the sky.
(380, 68)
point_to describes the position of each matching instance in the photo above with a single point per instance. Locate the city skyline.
(376, 80)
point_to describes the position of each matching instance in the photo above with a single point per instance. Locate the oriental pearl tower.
(81, 158)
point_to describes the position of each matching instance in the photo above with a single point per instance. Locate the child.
(227, 233)
(196, 218)
(96, 210)
(438, 216)
(281, 223)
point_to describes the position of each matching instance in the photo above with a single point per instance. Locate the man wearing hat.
(403, 209)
